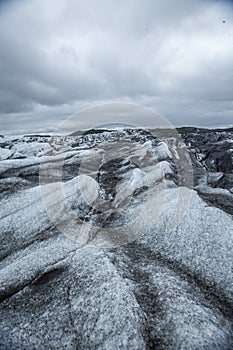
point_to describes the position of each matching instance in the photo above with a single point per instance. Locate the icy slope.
(108, 252)
(167, 288)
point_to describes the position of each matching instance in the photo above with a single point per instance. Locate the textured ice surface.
(32, 149)
(167, 288)
(5, 153)
(171, 287)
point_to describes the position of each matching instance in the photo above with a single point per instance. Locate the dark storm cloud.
(59, 56)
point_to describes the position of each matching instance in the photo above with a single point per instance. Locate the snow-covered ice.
(68, 278)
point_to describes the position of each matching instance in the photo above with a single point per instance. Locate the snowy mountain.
(119, 239)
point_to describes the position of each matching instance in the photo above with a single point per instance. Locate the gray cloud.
(59, 56)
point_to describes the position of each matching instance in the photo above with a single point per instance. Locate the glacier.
(108, 248)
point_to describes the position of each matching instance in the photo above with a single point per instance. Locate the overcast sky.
(60, 56)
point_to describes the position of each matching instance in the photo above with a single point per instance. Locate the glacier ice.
(68, 278)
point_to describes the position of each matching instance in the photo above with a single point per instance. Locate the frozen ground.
(110, 247)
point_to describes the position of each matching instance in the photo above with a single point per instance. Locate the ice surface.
(163, 151)
(32, 149)
(170, 287)
(5, 153)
